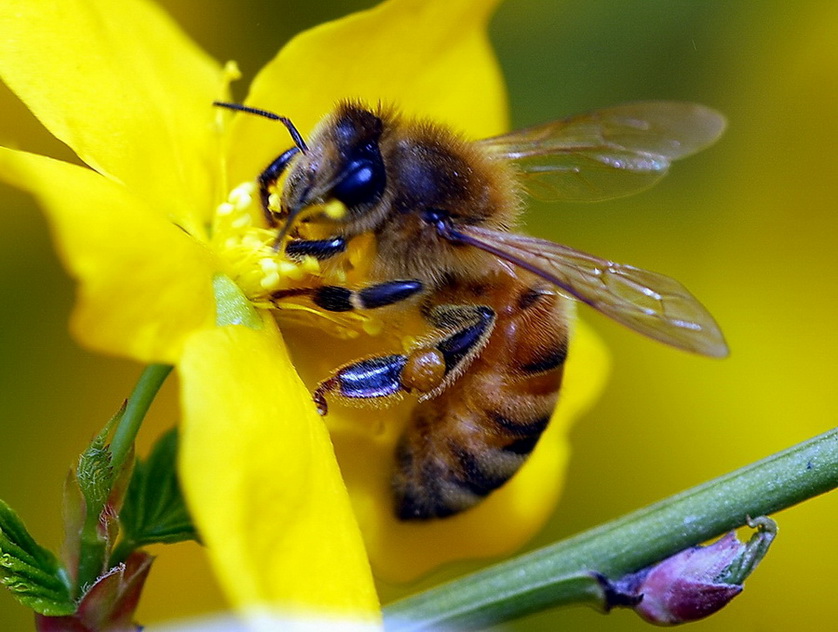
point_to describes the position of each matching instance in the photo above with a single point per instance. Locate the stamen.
(242, 196)
(241, 221)
(344, 325)
(246, 248)
(291, 270)
(310, 265)
(252, 242)
(270, 281)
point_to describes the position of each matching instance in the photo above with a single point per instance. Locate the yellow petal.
(431, 59)
(144, 284)
(401, 551)
(262, 482)
(124, 88)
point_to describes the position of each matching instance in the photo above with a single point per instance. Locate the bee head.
(339, 178)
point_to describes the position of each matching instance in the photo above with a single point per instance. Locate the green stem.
(138, 403)
(540, 579)
(92, 551)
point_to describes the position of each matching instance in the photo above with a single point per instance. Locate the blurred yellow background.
(750, 226)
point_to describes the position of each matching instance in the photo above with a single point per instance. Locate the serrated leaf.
(154, 510)
(30, 572)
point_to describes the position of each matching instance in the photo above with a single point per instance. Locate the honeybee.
(442, 211)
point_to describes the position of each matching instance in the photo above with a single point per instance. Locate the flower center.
(247, 248)
(249, 255)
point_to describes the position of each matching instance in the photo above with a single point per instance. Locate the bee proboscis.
(442, 211)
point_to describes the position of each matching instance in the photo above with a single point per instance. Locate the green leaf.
(29, 571)
(154, 510)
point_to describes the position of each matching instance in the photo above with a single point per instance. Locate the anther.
(241, 221)
(252, 242)
(242, 196)
(270, 280)
(310, 265)
(290, 270)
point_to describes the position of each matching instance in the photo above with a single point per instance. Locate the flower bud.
(109, 604)
(684, 587)
(697, 581)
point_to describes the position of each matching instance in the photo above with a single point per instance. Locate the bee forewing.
(650, 303)
(607, 153)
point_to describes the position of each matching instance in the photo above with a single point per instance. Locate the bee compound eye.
(362, 183)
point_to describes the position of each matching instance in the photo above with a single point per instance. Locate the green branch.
(551, 576)
(138, 404)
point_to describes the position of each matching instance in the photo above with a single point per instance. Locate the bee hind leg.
(428, 369)
(378, 377)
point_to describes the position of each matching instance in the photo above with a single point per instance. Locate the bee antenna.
(295, 135)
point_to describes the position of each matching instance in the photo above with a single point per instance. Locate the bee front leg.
(320, 249)
(462, 331)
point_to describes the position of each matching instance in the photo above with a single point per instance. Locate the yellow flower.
(162, 236)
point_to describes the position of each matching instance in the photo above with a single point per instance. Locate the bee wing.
(607, 153)
(649, 303)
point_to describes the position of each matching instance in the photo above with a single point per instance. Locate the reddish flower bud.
(685, 587)
(109, 605)
(695, 582)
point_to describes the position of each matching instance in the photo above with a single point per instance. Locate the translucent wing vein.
(607, 153)
(650, 303)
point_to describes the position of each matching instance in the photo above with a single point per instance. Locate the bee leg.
(334, 298)
(269, 177)
(428, 369)
(320, 249)
(373, 378)
(464, 331)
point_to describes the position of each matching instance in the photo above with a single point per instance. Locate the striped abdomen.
(474, 436)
